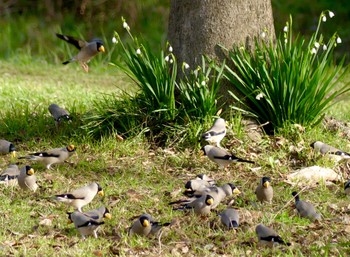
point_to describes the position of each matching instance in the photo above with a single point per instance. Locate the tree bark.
(198, 27)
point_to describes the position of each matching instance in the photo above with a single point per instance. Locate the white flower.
(171, 60)
(324, 47)
(170, 49)
(285, 41)
(259, 96)
(203, 83)
(114, 40)
(331, 14)
(313, 50)
(186, 66)
(324, 18)
(317, 45)
(338, 40)
(125, 25)
(263, 35)
(285, 29)
(138, 51)
(166, 58)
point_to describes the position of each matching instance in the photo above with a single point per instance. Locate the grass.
(139, 178)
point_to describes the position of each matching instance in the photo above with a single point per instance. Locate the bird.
(324, 148)
(9, 176)
(220, 156)
(87, 50)
(201, 182)
(84, 224)
(205, 178)
(264, 191)
(27, 179)
(306, 209)
(144, 225)
(200, 205)
(195, 185)
(53, 156)
(7, 147)
(58, 113)
(268, 236)
(99, 214)
(216, 133)
(347, 188)
(230, 218)
(81, 196)
(217, 193)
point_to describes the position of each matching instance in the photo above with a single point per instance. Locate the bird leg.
(84, 66)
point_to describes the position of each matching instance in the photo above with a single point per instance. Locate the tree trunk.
(198, 27)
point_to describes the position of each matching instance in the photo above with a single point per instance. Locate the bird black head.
(29, 170)
(265, 179)
(296, 196)
(99, 45)
(12, 148)
(99, 188)
(188, 185)
(203, 150)
(312, 144)
(200, 176)
(144, 220)
(346, 184)
(209, 200)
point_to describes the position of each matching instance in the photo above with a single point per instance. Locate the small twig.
(159, 241)
(284, 206)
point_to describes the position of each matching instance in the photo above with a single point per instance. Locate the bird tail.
(179, 201)
(276, 239)
(242, 160)
(66, 62)
(233, 224)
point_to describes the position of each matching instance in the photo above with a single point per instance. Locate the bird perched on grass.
(268, 236)
(81, 196)
(84, 224)
(99, 214)
(200, 204)
(87, 49)
(146, 226)
(9, 175)
(324, 148)
(264, 191)
(220, 156)
(216, 133)
(230, 218)
(53, 156)
(199, 184)
(7, 147)
(27, 179)
(59, 114)
(347, 188)
(306, 209)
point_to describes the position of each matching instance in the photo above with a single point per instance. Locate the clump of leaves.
(162, 107)
(290, 81)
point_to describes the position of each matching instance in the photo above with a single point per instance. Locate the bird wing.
(78, 43)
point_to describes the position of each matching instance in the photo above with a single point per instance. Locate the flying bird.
(87, 50)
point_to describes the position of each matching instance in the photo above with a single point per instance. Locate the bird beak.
(266, 184)
(210, 201)
(145, 223)
(101, 193)
(101, 49)
(201, 153)
(13, 154)
(236, 191)
(69, 221)
(31, 171)
(108, 216)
